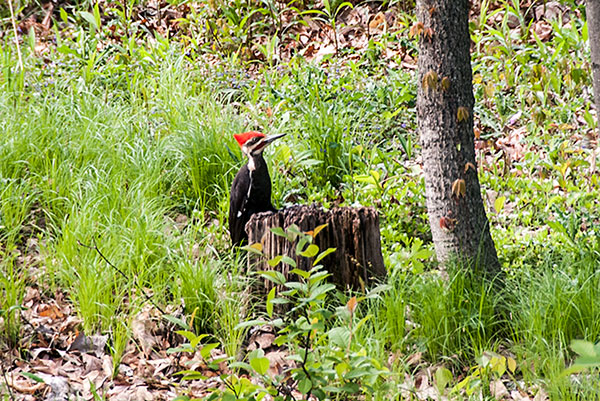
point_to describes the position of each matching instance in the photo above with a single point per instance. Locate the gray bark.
(592, 8)
(459, 225)
(353, 232)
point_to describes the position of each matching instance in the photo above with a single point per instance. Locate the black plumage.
(251, 188)
(250, 193)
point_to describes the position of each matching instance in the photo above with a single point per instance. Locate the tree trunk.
(592, 9)
(354, 233)
(459, 225)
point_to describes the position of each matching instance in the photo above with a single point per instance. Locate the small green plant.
(324, 358)
(12, 289)
(588, 356)
(329, 14)
(490, 366)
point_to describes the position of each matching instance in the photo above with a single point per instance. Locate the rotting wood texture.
(353, 232)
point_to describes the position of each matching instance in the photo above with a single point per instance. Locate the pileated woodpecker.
(251, 188)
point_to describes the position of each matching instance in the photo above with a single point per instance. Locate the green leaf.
(511, 364)
(89, 17)
(295, 285)
(558, 227)
(572, 369)
(279, 341)
(341, 368)
(498, 365)
(272, 275)
(342, 5)
(194, 376)
(270, 297)
(584, 348)
(587, 361)
(188, 334)
(301, 244)
(255, 248)
(323, 254)
(294, 231)
(296, 358)
(350, 388)
(33, 377)
(240, 365)
(278, 231)
(304, 385)
(310, 251)
(280, 301)
(356, 373)
(205, 351)
(245, 19)
(339, 336)
(288, 293)
(275, 261)
(260, 365)
(289, 261)
(191, 375)
(499, 203)
(321, 289)
(442, 377)
(177, 321)
(587, 116)
(302, 273)
(367, 179)
(96, 14)
(184, 348)
(64, 49)
(374, 292)
(362, 322)
(316, 277)
(64, 16)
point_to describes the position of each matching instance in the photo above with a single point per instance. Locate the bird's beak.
(268, 139)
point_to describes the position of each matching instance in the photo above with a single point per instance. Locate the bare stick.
(139, 287)
(8, 386)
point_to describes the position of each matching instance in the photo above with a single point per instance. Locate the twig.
(137, 285)
(10, 393)
(231, 388)
(285, 390)
(14, 24)
(35, 329)
(305, 359)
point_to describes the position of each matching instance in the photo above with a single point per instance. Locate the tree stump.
(353, 232)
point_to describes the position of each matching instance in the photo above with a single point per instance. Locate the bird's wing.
(238, 194)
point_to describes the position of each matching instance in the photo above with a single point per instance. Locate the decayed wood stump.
(353, 232)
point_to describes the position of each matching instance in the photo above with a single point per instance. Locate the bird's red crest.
(243, 138)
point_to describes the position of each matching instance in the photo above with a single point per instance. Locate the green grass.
(136, 154)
